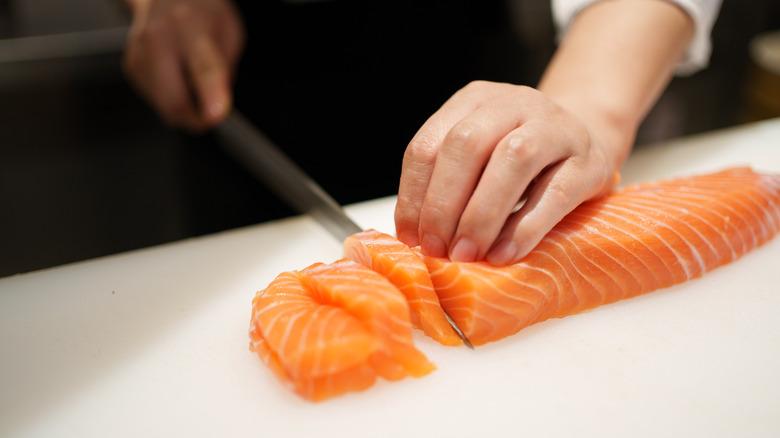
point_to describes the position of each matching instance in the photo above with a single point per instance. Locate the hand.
(492, 145)
(489, 146)
(181, 56)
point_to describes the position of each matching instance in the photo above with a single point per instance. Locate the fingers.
(418, 164)
(152, 66)
(181, 57)
(208, 73)
(456, 177)
(231, 35)
(416, 171)
(488, 147)
(554, 195)
(454, 195)
(516, 161)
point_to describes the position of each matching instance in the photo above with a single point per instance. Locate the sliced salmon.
(405, 269)
(636, 240)
(333, 328)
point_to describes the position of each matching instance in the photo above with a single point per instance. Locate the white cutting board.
(154, 343)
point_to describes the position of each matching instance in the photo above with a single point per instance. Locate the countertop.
(154, 343)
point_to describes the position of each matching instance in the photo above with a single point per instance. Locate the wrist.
(611, 131)
(597, 75)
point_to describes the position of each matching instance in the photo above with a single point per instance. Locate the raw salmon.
(406, 270)
(333, 328)
(638, 239)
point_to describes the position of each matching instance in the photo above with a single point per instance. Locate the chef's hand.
(181, 56)
(491, 144)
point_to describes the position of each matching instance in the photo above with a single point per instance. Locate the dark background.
(86, 169)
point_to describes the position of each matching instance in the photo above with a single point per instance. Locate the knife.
(250, 147)
(253, 149)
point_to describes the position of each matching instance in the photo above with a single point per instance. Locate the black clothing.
(343, 86)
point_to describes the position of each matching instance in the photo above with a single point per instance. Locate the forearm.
(614, 63)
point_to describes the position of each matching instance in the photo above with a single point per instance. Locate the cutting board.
(154, 343)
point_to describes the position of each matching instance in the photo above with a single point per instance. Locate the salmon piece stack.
(334, 328)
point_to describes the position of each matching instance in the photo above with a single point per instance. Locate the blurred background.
(86, 168)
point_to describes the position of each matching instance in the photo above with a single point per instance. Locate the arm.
(492, 144)
(181, 55)
(616, 61)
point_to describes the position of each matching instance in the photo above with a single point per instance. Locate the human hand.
(181, 56)
(489, 146)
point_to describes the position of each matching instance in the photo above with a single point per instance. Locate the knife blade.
(250, 147)
(253, 149)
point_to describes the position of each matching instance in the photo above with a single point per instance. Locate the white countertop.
(154, 343)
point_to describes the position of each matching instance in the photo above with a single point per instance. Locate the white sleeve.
(703, 13)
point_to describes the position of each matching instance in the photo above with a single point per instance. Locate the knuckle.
(476, 85)
(422, 149)
(520, 149)
(525, 90)
(474, 88)
(464, 135)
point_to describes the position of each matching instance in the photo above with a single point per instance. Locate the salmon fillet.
(635, 240)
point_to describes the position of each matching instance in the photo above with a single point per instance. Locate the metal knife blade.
(239, 137)
(249, 146)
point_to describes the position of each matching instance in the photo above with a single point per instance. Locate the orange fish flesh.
(333, 328)
(633, 241)
(405, 269)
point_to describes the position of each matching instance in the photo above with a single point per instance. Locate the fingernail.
(433, 246)
(503, 253)
(465, 250)
(216, 110)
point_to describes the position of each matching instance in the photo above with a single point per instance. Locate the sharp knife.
(249, 146)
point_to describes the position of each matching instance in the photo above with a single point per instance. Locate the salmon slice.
(333, 328)
(405, 269)
(636, 240)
